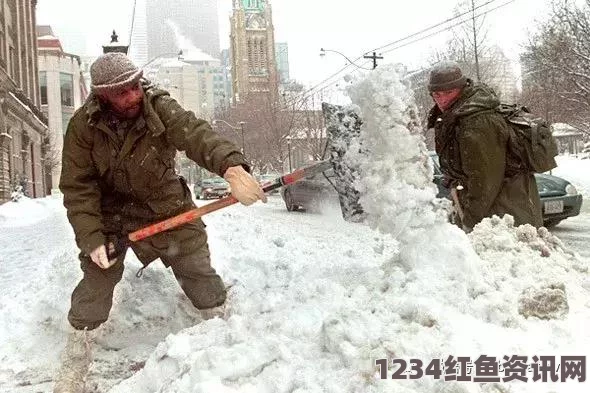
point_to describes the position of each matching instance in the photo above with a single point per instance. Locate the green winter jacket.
(114, 187)
(472, 145)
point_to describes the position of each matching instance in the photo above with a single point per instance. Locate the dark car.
(263, 180)
(559, 198)
(213, 187)
(310, 192)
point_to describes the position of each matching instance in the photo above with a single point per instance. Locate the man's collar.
(93, 108)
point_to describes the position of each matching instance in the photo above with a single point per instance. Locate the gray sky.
(350, 27)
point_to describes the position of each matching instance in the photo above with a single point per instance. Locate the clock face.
(255, 21)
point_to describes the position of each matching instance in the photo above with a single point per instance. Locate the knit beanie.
(113, 70)
(446, 76)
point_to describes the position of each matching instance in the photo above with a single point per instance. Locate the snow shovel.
(183, 218)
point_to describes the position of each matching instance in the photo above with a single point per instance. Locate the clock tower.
(253, 64)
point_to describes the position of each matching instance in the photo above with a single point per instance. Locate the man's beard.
(129, 112)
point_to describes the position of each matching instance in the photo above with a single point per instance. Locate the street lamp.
(323, 54)
(241, 127)
(288, 138)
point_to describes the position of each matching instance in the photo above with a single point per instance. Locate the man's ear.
(100, 95)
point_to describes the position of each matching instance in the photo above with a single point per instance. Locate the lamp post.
(241, 128)
(243, 142)
(289, 152)
(323, 53)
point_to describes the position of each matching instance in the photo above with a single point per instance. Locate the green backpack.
(531, 140)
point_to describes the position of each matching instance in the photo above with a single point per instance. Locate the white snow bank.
(27, 211)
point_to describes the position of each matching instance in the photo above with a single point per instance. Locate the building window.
(65, 119)
(3, 60)
(43, 87)
(66, 88)
(14, 65)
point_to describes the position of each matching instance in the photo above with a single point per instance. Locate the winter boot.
(222, 311)
(76, 360)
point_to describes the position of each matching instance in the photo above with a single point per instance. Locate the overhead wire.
(316, 88)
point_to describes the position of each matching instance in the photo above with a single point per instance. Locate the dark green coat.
(472, 145)
(113, 185)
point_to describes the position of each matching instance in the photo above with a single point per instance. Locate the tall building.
(191, 79)
(63, 90)
(282, 58)
(23, 126)
(181, 25)
(223, 88)
(138, 47)
(254, 69)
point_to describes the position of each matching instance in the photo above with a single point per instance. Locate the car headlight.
(208, 189)
(571, 190)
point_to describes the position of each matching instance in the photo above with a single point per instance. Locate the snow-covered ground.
(576, 171)
(575, 231)
(315, 300)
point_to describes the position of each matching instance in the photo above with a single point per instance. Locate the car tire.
(289, 202)
(551, 223)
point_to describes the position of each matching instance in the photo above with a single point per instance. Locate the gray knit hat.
(446, 75)
(113, 70)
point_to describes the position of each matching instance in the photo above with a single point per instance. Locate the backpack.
(531, 140)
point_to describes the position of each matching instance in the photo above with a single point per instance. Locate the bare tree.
(556, 80)
(468, 46)
(266, 126)
(50, 152)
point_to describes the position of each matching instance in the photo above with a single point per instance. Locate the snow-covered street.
(575, 231)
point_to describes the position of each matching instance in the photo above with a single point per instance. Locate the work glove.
(99, 256)
(243, 186)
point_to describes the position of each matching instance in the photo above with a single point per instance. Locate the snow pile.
(576, 171)
(396, 184)
(24, 212)
(39, 270)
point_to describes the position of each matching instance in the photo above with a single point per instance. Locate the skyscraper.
(282, 56)
(138, 47)
(180, 25)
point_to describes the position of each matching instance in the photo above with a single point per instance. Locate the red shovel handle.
(180, 219)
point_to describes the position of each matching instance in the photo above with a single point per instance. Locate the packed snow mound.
(26, 211)
(530, 261)
(291, 303)
(315, 316)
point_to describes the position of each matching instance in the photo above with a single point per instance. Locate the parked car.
(267, 178)
(559, 198)
(308, 193)
(213, 187)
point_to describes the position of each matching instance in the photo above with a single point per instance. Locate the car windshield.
(214, 182)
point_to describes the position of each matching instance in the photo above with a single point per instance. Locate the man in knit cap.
(472, 144)
(118, 176)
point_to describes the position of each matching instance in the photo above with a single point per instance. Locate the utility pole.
(374, 57)
(475, 41)
(243, 143)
